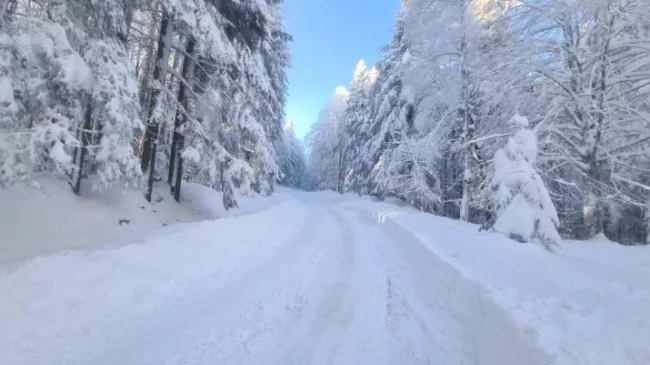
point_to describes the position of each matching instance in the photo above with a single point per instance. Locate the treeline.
(134, 91)
(424, 124)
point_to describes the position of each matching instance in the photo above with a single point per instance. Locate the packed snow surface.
(318, 278)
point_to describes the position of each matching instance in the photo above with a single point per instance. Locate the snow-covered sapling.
(524, 210)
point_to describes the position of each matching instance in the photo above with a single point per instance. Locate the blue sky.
(330, 36)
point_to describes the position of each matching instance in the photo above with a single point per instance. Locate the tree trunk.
(594, 207)
(175, 175)
(150, 142)
(593, 215)
(128, 19)
(465, 148)
(144, 71)
(83, 135)
(340, 169)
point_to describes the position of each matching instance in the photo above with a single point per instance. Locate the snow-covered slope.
(587, 304)
(44, 216)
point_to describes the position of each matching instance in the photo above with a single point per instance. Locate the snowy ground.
(325, 279)
(43, 216)
(588, 304)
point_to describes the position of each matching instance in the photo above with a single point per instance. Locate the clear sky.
(330, 37)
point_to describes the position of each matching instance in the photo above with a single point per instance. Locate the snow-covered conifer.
(524, 210)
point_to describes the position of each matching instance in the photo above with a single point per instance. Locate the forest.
(479, 110)
(482, 109)
(105, 92)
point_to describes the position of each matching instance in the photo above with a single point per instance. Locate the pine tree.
(210, 78)
(72, 92)
(524, 210)
(356, 126)
(291, 158)
(393, 117)
(325, 145)
(157, 100)
(175, 170)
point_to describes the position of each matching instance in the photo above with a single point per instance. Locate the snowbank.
(208, 203)
(55, 309)
(523, 305)
(44, 216)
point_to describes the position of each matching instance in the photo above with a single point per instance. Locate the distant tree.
(291, 157)
(326, 145)
(356, 127)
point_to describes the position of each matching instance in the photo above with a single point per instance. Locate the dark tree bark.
(123, 35)
(84, 136)
(150, 142)
(143, 71)
(175, 160)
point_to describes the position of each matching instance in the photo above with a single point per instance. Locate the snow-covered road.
(308, 282)
(320, 278)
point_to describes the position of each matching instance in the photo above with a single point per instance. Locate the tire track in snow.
(207, 322)
(342, 290)
(255, 339)
(317, 286)
(366, 341)
(319, 340)
(422, 330)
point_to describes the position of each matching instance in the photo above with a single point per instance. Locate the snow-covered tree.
(391, 138)
(291, 158)
(241, 114)
(592, 72)
(457, 70)
(357, 124)
(406, 170)
(524, 210)
(326, 143)
(210, 78)
(72, 91)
